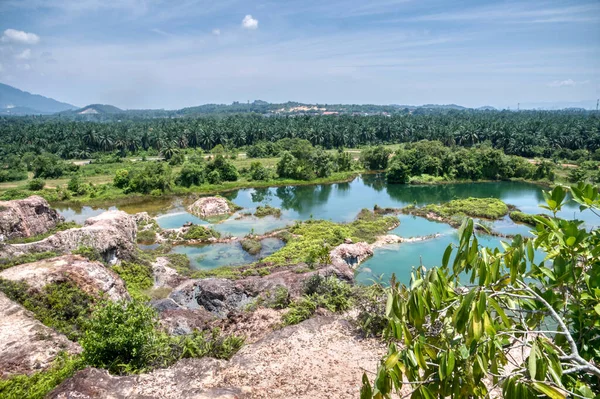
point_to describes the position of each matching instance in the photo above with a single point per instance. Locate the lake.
(341, 202)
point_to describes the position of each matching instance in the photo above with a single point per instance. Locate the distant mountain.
(487, 108)
(17, 102)
(96, 109)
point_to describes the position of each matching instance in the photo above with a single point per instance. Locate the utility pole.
(597, 101)
(518, 107)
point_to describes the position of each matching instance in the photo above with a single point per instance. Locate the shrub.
(61, 305)
(258, 171)
(90, 253)
(210, 343)
(121, 337)
(36, 184)
(251, 246)
(262, 211)
(138, 277)
(192, 174)
(375, 158)
(199, 232)
(214, 177)
(121, 179)
(153, 176)
(398, 173)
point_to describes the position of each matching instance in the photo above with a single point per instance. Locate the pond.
(341, 202)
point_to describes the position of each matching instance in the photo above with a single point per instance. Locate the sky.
(172, 54)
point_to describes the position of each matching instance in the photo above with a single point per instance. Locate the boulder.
(111, 233)
(207, 207)
(27, 217)
(320, 357)
(91, 277)
(350, 255)
(26, 345)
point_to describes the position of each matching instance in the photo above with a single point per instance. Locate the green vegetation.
(38, 385)
(39, 237)
(525, 218)
(89, 252)
(262, 211)
(36, 184)
(451, 330)
(61, 305)
(5, 263)
(313, 239)
(138, 277)
(199, 232)
(123, 337)
(319, 292)
(147, 236)
(375, 158)
(488, 208)
(252, 246)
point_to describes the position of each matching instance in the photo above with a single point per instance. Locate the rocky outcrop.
(91, 277)
(164, 276)
(111, 233)
(321, 357)
(27, 217)
(350, 254)
(26, 345)
(222, 296)
(207, 207)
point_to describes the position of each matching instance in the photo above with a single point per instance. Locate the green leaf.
(420, 357)
(446, 257)
(500, 311)
(549, 390)
(392, 360)
(532, 363)
(366, 392)
(597, 308)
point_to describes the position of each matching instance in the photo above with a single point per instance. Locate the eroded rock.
(26, 345)
(91, 277)
(27, 217)
(351, 255)
(210, 206)
(111, 233)
(321, 357)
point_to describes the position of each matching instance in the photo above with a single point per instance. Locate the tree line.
(560, 134)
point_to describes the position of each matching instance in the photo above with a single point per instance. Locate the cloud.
(249, 23)
(19, 36)
(567, 83)
(217, 32)
(24, 55)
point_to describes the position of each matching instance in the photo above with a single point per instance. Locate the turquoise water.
(341, 202)
(210, 256)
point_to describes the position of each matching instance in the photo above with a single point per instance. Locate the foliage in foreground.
(124, 337)
(462, 339)
(38, 385)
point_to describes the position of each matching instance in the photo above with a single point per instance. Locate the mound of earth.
(321, 357)
(27, 217)
(207, 207)
(26, 345)
(91, 277)
(111, 233)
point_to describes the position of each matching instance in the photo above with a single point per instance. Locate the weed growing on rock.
(5, 263)
(40, 237)
(138, 277)
(489, 208)
(197, 232)
(267, 210)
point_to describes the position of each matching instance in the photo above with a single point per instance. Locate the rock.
(27, 217)
(26, 345)
(111, 233)
(350, 254)
(217, 295)
(320, 357)
(210, 206)
(164, 276)
(91, 277)
(185, 321)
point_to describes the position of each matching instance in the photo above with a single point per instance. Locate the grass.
(38, 385)
(313, 239)
(39, 237)
(426, 179)
(262, 211)
(319, 292)
(251, 246)
(488, 208)
(138, 278)
(62, 305)
(5, 263)
(198, 232)
(146, 236)
(525, 218)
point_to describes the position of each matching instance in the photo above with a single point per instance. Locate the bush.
(121, 179)
(192, 174)
(36, 184)
(214, 177)
(61, 305)
(398, 173)
(227, 171)
(375, 158)
(258, 171)
(251, 246)
(89, 252)
(138, 277)
(153, 176)
(122, 337)
(262, 211)
(12, 175)
(198, 232)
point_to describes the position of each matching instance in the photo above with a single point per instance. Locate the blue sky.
(171, 54)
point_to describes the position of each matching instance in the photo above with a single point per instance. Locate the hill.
(18, 102)
(96, 109)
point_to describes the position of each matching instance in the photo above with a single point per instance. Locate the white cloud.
(24, 55)
(249, 23)
(19, 36)
(567, 83)
(216, 32)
